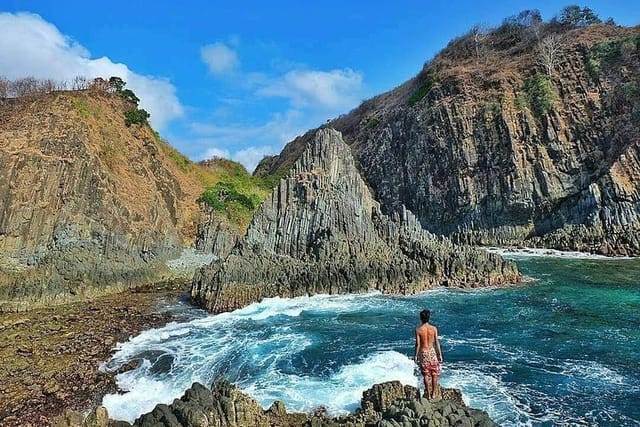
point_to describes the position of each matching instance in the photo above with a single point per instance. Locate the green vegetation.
(424, 88)
(540, 94)
(236, 194)
(137, 116)
(605, 53)
(493, 108)
(574, 16)
(373, 122)
(133, 116)
(224, 194)
(82, 108)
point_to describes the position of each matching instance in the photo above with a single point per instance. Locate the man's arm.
(415, 356)
(437, 345)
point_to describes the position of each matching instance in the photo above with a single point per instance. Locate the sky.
(239, 79)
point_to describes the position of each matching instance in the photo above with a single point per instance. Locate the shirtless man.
(428, 355)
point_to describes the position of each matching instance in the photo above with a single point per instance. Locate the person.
(428, 354)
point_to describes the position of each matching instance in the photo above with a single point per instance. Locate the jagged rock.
(474, 163)
(321, 231)
(213, 235)
(384, 404)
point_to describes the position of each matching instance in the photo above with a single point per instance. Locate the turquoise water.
(564, 349)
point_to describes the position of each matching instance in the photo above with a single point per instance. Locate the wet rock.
(387, 403)
(321, 231)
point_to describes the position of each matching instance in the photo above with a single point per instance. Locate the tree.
(79, 83)
(129, 96)
(116, 83)
(4, 87)
(479, 34)
(137, 116)
(549, 50)
(23, 87)
(574, 16)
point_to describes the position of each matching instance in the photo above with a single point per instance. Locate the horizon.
(242, 84)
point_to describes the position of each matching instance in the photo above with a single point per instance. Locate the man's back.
(427, 336)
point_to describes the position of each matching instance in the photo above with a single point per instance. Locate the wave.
(543, 252)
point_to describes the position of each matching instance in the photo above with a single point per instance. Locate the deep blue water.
(564, 349)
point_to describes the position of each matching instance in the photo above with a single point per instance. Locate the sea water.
(562, 349)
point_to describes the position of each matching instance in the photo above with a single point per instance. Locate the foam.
(340, 392)
(543, 252)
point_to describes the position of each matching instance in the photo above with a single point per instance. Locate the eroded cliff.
(321, 231)
(491, 145)
(87, 204)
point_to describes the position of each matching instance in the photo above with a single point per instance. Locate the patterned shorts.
(428, 362)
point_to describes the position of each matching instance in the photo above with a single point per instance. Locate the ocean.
(562, 349)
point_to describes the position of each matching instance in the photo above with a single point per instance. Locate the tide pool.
(563, 349)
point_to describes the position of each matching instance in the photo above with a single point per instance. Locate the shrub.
(540, 94)
(223, 194)
(136, 116)
(422, 90)
(606, 52)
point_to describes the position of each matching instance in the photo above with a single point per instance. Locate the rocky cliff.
(321, 231)
(388, 404)
(87, 204)
(494, 143)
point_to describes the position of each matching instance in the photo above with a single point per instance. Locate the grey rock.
(567, 179)
(322, 231)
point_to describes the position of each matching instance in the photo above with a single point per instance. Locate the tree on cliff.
(549, 50)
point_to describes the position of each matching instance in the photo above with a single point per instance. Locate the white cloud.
(267, 139)
(334, 90)
(215, 152)
(220, 58)
(31, 46)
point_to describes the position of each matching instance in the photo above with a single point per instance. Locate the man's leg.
(434, 385)
(425, 378)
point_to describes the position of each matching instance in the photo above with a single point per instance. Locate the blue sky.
(242, 78)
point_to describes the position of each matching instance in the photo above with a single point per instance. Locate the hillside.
(527, 134)
(88, 204)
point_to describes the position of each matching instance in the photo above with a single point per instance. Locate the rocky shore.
(50, 356)
(385, 405)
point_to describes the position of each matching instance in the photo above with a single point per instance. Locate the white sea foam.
(543, 252)
(339, 393)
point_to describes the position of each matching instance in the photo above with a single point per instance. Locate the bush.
(137, 116)
(601, 54)
(541, 94)
(424, 88)
(223, 194)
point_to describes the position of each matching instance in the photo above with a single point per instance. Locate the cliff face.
(321, 231)
(86, 203)
(486, 148)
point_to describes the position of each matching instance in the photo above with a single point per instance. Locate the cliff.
(493, 143)
(321, 231)
(87, 204)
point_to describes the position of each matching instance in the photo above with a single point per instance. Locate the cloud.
(334, 90)
(267, 139)
(31, 46)
(220, 58)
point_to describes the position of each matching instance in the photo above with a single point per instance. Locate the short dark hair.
(425, 315)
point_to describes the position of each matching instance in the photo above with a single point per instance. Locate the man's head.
(425, 315)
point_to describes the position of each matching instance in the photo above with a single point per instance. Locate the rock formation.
(86, 203)
(321, 231)
(213, 235)
(385, 405)
(485, 147)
